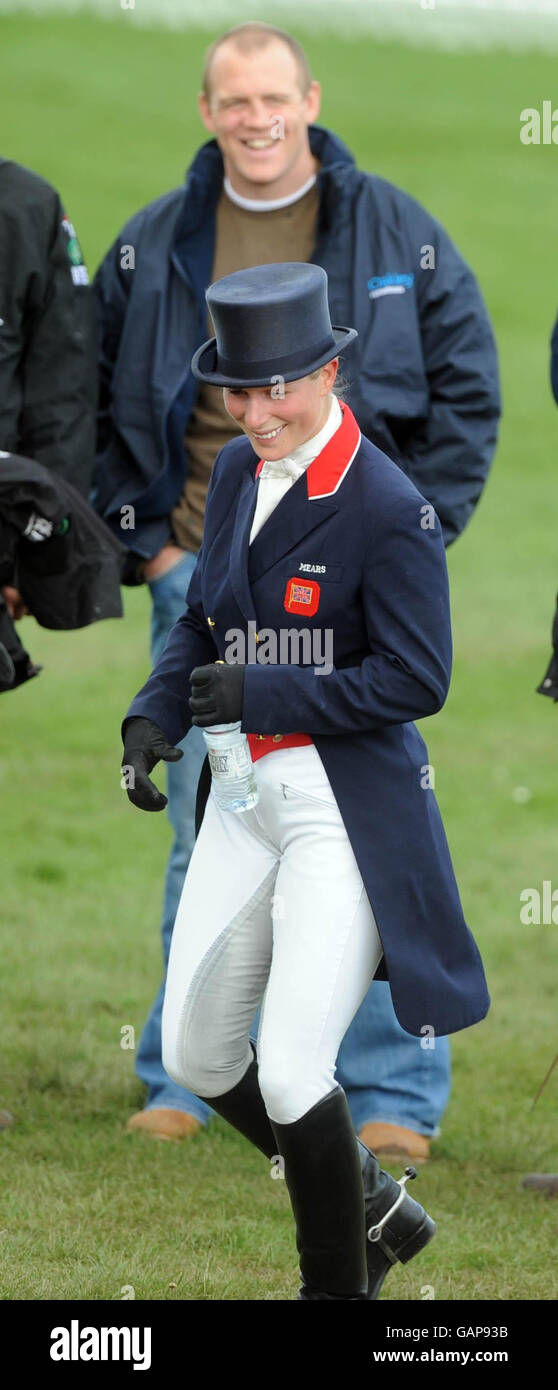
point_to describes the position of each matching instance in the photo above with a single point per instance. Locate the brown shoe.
(395, 1142)
(542, 1182)
(165, 1124)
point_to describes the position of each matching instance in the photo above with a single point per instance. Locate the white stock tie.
(278, 475)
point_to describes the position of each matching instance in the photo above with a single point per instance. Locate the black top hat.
(270, 321)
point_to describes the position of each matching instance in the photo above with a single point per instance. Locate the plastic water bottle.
(232, 769)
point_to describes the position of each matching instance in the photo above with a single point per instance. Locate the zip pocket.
(288, 790)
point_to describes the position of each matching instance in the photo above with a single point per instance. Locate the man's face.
(277, 425)
(259, 116)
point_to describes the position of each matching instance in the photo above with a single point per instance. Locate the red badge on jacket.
(302, 597)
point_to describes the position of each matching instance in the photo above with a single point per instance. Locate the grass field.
(107, 113)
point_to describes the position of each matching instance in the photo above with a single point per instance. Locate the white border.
(450, 24)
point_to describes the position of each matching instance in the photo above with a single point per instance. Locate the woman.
(343, 863)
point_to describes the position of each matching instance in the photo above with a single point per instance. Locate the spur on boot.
(397, 1227)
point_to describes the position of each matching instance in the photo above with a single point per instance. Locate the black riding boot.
(243, 1107)
(405, 1232)
(323, 1175)
(397, 1227)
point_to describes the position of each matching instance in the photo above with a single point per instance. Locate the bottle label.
(229, 763)
(218, 763)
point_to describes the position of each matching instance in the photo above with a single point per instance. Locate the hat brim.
(205, 359)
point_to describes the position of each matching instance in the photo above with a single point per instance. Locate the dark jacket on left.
(48, 374)
(62, 558)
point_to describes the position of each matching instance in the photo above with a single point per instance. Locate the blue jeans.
(387, 1074)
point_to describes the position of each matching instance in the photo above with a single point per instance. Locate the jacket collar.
(308, 503)
(326, 472)
(204, 178)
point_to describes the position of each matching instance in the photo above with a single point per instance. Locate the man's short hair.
(255, 35)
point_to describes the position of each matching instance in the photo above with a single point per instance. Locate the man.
(47, 366)
(48, 387)
(273, 186)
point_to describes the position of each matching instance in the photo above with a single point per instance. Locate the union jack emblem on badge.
(301, 598)
(301, 593)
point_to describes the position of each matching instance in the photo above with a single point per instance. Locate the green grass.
(107, 112)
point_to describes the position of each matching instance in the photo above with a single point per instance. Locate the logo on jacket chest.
(393, 283)
(301, 595)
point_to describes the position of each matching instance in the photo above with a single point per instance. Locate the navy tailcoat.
(353, 548)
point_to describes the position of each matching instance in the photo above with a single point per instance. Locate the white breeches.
(273, 907)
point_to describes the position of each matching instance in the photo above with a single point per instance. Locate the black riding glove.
(217, 694)
(144, 745)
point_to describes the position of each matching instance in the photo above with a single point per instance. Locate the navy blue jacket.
(382, 588)
(423, 370)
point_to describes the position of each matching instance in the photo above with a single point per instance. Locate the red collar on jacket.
(326, 472)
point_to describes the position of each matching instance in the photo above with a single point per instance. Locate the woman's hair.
(340, 385)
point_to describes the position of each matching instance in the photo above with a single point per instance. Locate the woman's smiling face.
(277, 424)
